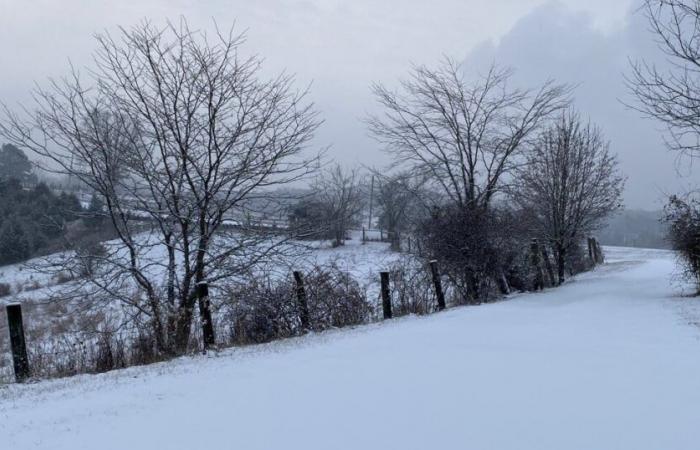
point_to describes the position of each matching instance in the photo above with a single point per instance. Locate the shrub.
(5, 289)
(476, 248)
(63, 278)
(412, 290)
(335, 299)
(261, 311)
(263, 308)
(683, 217)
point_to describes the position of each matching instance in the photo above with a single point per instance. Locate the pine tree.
(14, 242)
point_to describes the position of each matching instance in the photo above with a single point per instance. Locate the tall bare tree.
(178, 133)
(570, 184)
(464, 134)
(672, 94)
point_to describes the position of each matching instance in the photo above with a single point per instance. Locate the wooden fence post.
(364, 235)
(437, 282)
(386, 295)
(17, 342)
(301, 301)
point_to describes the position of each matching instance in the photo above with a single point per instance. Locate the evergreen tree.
(14, 242)
(95, 215)
(15, 164)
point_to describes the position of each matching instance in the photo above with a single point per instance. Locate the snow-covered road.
(609, 361)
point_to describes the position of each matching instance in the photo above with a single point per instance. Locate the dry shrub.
(335, 299)
(261, 310)
(90, 353)
(412, 290)
(265, 308)
(63, 278)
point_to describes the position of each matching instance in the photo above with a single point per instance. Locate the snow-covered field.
(361, 260)
(47, 321)
(609, 361)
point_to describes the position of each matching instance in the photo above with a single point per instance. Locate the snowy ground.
(47, 322)
(363, 261)
(609, 361)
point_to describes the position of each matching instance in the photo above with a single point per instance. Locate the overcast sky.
(344, 45)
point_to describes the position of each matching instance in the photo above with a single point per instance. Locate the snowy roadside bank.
(606, 361)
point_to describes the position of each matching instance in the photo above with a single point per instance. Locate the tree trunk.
(561, 263)
(473, 288)
(502, 282)
(184, 324)
(591, 252)
(205, 315)
(538, 279)
(548, 266)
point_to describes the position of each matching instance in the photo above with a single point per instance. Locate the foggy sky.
(342, 46)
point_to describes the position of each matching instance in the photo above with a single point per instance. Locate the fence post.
(301, 301)
(364, 235)
(437, 282)
(17, 342)
(386, 295)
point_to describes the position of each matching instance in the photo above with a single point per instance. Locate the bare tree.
(340, 193)
(672, 95)
(402, 203)
(570, 183)
(465, 135)
(177, 133)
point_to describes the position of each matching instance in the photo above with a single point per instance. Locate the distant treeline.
(636, 228)
(36, 220)
(32, 220)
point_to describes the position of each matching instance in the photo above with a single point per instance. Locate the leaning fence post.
(386, 295)
(437, 282)
(17, 342)
(301, 301)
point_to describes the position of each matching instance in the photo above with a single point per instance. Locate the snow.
(363, 261)
(611, 360)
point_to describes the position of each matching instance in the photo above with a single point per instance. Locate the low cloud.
(555, 42)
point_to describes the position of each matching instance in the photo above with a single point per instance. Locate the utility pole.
(371, 197)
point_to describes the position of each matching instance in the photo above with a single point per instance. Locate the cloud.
(343, 46)
(555, 42)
